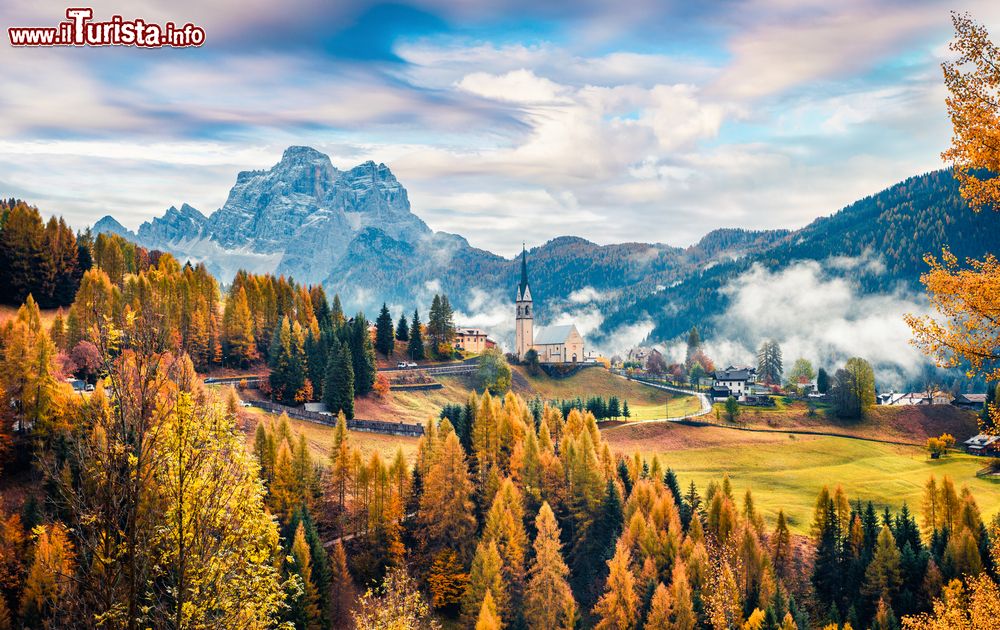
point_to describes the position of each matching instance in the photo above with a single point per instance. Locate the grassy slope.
(320, 438)
(901, 424)
(644, 402)
(786, 471)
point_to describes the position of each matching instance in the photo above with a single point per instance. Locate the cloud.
(652, 122)
(821, 317)
(516, 86)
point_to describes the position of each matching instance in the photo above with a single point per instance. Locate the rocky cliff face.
(297, 218)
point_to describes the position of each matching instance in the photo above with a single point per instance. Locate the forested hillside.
(893, 229)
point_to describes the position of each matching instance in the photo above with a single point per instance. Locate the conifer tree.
(337, 312)
(485, 576)
(446, 580)
(402, 329)
(618, 608)
(338, 388)
(305, 611)
(488, 617)
(548, 596)
(882, 577)
(781, 546)
(659, 609)
(446, 516)
(415, 348)
(50, 577)
(363, 356)
(682, 615)
(239, 342)
(341, 585)
(385, 338)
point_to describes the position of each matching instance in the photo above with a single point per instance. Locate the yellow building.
(470, 340)
(553, 344)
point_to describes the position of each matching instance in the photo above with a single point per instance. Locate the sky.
(505, 120)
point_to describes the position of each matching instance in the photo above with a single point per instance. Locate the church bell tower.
(524, 337)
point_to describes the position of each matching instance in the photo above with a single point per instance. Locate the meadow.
(786, 471)
(645, 403)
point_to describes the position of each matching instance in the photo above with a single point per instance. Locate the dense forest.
(152, 510)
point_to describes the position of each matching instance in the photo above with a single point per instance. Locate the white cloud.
(517, 86)
(820, 317)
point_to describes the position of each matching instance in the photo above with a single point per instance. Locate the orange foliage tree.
(968, 297)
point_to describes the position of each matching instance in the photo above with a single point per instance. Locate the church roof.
(521, 288)
(553, 334)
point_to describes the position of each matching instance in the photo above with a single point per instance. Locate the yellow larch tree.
(967, 298)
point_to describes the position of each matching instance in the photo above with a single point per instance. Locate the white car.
(401, 365)
(411, 364)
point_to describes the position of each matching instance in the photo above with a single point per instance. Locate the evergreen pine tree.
(402, 329)
(363, 355)
(385, 339)
(415, 348)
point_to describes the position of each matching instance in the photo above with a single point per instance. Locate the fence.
(414, 387)
(371, 426)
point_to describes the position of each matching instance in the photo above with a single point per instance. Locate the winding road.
(706, 404)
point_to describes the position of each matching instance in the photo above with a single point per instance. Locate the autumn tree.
(967, 298)
(395, 603)
(618, 608)
(548, 599)
(47, 590)
(446, 515)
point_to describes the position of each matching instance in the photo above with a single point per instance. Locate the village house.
(553, 344)
(983, 444)
(472, 340)
(973, 402)
(738, 382)
(914, 398)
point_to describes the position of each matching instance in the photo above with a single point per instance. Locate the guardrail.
(371, 426)
(235, 380)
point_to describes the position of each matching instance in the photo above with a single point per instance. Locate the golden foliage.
(974, 605)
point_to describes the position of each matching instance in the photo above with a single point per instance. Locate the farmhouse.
(915, 398)
(974, 402)
(983, 444)
(737, 381)
(552, 344)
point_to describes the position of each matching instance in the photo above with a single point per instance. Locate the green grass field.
(787, 471)
(645, 403)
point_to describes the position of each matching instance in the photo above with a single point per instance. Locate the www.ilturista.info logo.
(79, 29)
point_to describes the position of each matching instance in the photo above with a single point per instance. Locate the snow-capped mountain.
(297, 218)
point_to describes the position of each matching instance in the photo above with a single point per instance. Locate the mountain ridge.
(353, 231)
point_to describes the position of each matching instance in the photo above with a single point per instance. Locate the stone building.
(553, 344)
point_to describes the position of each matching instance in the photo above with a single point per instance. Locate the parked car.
(411, 364)
(244, 403)
(88, 388)
(401, 365)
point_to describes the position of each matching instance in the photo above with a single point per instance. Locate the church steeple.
(524, 334)
(522, 288)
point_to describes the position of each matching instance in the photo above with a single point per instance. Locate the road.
(706, 408)
(706, 404)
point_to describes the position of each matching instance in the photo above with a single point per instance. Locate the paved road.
(706, 404)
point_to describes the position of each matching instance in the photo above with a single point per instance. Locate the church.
(553, 344)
